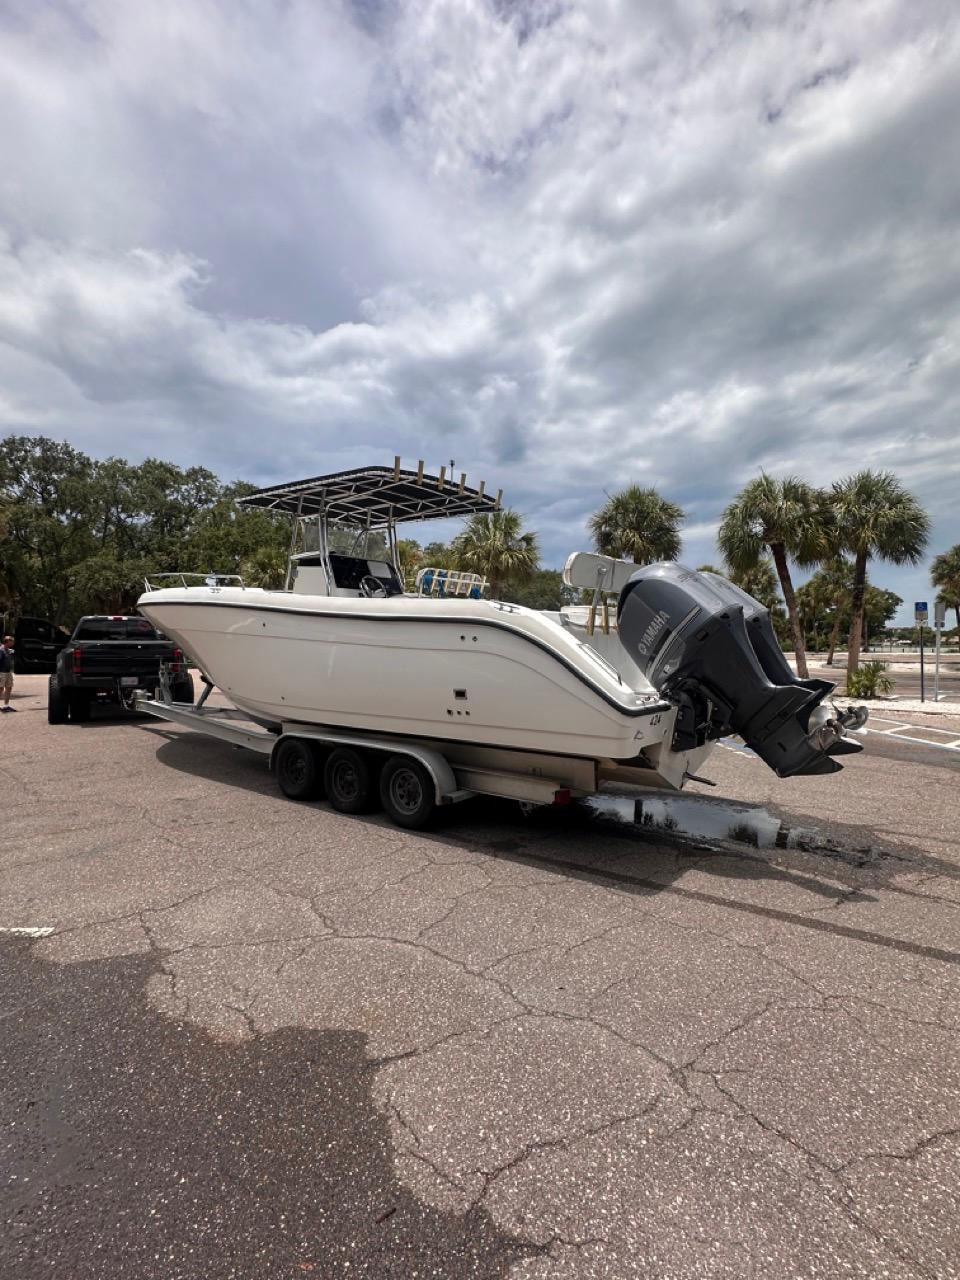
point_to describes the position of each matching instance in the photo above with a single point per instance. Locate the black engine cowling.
(711, 648)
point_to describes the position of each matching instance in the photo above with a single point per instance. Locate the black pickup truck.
(104, 660)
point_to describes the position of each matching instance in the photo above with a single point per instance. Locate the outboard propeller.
(711, 648)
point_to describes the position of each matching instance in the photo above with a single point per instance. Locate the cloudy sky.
(568, 243)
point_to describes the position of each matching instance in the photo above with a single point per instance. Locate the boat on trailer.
(349, 663)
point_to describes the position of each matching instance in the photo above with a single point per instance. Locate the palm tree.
(265, 567)
(761, 582)
(638, 524)
(837, 576)
(825, 596)
(788, 517)
(495, 545)
(945, 575)
(875, 516)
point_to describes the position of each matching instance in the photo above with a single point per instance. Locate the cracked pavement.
(551, 1048)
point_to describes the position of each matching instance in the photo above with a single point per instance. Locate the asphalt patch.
(133, 1145)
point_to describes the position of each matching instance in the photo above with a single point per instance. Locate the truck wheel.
(349, 781)
(408, 793)
(79, 708)
(298, 769)
(182, 690)
(58, 706)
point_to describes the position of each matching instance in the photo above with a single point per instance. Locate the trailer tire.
(58, 707)
(349, 779)
(408, 793)
(297, 767)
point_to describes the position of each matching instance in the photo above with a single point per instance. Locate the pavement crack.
(247, 1018)
(783, 1135)
(931, 1140)
(491, 1176)
(754, 1016)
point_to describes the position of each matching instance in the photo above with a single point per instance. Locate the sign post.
(939, 618)
(920, 615)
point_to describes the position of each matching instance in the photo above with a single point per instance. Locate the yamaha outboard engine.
(711, 649)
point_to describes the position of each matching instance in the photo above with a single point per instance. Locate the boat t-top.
(636, 683)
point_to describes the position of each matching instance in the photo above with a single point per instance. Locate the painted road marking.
(29, 931)
(903, 724)
(898, 727)
(896, 733)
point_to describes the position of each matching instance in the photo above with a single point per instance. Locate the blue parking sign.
(920, 611)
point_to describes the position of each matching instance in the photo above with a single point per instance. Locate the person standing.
(6, 672)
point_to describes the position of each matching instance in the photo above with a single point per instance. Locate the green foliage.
(496, 546)
(787, 515)
(78, 536)
(409, 560)
(265, 567)
(825, 604)
(638, 524)
(544, 590)
(791, 519)
(760, 581)
(440, 555)
(945, 575)
(876, 518)
(869, 680)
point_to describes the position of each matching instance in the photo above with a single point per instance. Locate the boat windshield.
(350, 540)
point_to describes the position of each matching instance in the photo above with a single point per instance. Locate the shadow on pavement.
(137, 1146)
(577, 843)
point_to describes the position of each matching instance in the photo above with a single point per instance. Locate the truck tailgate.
(120, 657)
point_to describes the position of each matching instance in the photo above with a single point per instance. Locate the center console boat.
(637, 683)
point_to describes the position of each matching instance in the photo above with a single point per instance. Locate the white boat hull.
(470, 671)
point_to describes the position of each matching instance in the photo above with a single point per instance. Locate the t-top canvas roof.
(376, 495)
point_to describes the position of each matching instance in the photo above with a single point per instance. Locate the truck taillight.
(177, 663)
(77, 655)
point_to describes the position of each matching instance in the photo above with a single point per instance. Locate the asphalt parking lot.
(263, 1039)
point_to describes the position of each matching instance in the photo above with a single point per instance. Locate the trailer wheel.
(408, 793)
(349, 781)
(58, 708)
(298, 769)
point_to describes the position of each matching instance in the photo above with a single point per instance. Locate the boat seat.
(589, 572)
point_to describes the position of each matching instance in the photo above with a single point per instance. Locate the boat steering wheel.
(372, 587)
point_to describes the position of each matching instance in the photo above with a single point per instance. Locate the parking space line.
(903, 724)
(28, 931)
(898, 735)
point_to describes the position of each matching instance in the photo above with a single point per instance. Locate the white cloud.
(570, 244)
